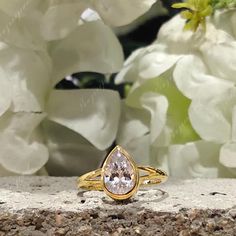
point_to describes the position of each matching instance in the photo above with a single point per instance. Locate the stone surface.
(119, 174)
(53, 206)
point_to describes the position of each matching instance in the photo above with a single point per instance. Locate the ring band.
(89, 181)
(119, 176)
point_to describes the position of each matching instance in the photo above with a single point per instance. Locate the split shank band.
(92, 181)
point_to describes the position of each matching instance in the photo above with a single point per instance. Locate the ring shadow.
(143, 196)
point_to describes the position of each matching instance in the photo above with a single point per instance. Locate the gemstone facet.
(119, 175)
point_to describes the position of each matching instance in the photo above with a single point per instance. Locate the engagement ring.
(119, 176)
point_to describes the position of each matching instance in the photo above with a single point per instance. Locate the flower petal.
(178, 41)
(134, 129)
(22, 124)
(225, 20)
(228, 156)
(29, 84)
(157, 105)
(95, 114)
(70, 153)
(177, 112)
(218, 52)
(18, 8)
(22, 29)
(146, 63)
(156, 62)
(213, 109)
(197, 159)
(190, 74)
(19, 156)
(101, 53)
(4, 172)
(138, 148)
(129, 71)
(5, 91)
(234, 123)
(121, 12)
(205, 120)
(61, 19)
(133, 124)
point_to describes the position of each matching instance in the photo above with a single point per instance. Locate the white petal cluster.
(184, 99)
(41, 42)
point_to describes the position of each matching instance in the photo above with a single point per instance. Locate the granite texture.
(54, 206)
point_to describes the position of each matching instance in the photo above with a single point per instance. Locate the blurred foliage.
(196, 11)
(218, 4)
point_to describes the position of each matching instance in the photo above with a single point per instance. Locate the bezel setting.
(136, 175)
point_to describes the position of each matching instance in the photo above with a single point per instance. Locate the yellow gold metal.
(90, 181)
(94, 179)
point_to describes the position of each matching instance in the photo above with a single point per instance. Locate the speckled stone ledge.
(53, 206)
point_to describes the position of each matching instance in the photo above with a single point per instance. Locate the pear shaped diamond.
(119, 176)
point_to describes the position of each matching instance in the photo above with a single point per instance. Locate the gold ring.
(119, 176)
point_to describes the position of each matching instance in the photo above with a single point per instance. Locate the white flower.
(41, 42)
(191, 80)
